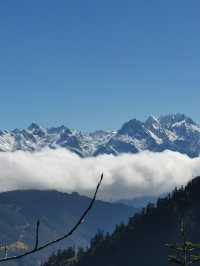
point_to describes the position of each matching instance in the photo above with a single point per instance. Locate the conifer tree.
(184, 251)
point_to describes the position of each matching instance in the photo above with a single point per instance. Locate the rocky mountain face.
(174, 132)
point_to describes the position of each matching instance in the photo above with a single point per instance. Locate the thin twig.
(37, 235)
(74, 228)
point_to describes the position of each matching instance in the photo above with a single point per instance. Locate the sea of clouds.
(125, 176)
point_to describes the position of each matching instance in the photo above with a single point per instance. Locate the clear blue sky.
(97, 63)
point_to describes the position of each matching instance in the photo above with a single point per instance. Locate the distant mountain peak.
(175, 132)
(152, 120)
(131, 127)
(34, 126)
(169, 120)
(59, 130)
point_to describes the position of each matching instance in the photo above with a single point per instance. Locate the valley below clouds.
(125, 176)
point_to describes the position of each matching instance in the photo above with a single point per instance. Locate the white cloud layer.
(125, 176)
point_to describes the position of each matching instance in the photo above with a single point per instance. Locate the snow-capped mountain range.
(174, 132)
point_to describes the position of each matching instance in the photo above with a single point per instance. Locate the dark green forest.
(143, 240)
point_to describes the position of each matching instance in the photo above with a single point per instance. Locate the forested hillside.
(142, 241)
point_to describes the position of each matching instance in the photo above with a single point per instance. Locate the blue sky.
(95, 64)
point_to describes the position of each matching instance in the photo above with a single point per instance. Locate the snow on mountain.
(175, 132)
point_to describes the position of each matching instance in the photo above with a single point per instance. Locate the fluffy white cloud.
(125, 176)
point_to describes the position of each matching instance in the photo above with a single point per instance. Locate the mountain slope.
(142, 241)
(19, 211)
(174, 132)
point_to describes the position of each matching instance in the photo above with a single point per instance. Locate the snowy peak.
(33, 127)
(133, 128)
(152, 123)
(175, 132)
(36, 130)
(168, 121)
(58, 130)
(151, 120)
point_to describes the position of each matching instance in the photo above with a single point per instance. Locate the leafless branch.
(37, 235)
(50, 243)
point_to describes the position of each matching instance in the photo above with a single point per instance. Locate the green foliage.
(184, 252)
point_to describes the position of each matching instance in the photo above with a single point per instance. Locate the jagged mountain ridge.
(175, 132)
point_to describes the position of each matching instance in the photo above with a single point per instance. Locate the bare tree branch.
(50, 243)
(37, 235)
